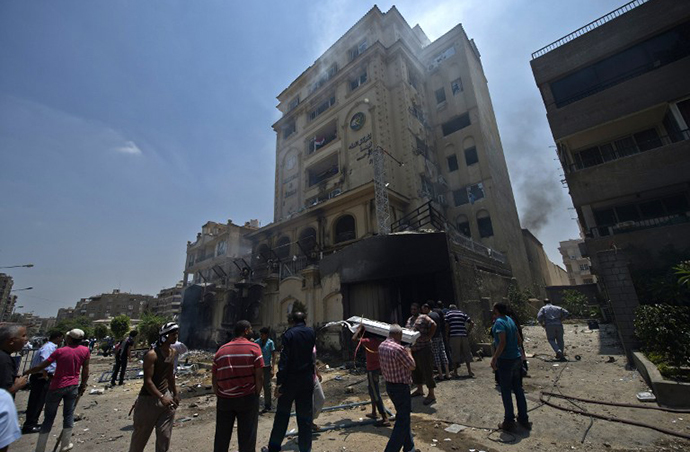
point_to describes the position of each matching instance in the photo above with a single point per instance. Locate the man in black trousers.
(39, 383)
(122, 356)
(295, 383)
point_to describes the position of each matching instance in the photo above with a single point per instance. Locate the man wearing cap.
(70, 361)
(158, 398)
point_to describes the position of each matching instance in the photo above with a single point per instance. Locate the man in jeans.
(551, 318)
(121, 357)
(397, 365)
(40, 383)
(295, 383)
(268, 350)
(237, 377)
(507, 362)
(64, 386)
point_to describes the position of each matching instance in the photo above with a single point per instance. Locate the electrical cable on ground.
(626, 405)
(611, 418)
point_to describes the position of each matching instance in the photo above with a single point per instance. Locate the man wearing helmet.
(158, 398)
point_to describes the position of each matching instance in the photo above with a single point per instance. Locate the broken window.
(455, 124)
(456, 86)
(452, 163)
(440, 95)
(345, 229)
(358, 50)
(359, 81)
(323, 106)
(484, 225)
(471, 156)
(289, 129)
(324, 77)
(293, 103)
(323, 170)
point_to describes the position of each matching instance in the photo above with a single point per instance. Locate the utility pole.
(383, 214)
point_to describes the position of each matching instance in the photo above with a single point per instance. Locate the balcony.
(624, 147)
(632, 226)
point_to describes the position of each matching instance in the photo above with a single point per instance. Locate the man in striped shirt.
(237, 377)
(397, 365)
(459, 325)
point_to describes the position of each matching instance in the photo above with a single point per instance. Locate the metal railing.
(636, 147)
(589, 27)
(427, 215)
(632, 226)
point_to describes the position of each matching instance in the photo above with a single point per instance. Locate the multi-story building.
(6, 298)
(617, 97)
(578, 266)
(168, 303)
(108, 305)
(384, 84)
(544, 272)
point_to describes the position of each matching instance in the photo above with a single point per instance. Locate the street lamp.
(25, 288)
(18, 266)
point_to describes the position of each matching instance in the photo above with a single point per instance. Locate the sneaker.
(527, 425)
(506, 426)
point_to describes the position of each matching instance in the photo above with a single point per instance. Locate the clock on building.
(357, 121)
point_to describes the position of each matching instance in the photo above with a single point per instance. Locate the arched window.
(307, 240)
(262, 252)
(470, 148)
(463, 225)
(283, 247)
(484, 225)
(345, 229)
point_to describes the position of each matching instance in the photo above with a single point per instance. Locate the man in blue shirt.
(39, 383)
(507, 361)
(267, 349)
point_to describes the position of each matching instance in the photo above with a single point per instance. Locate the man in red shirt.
(237, 377)
(397, 365)
(371, 343)
(64, 386)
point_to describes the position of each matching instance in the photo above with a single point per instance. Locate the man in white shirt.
(39, 383)
(9, 424)
(551, 318)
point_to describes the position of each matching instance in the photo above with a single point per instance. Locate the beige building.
(168, 303)
(108, 305)
(544, 272)
(578, 266)
(7, 300)
(617, 97)
(428, 105)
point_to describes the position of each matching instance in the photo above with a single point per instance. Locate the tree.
(100, 331)
(81, 322)
(119, 326)
(149, 325)
(576, 303)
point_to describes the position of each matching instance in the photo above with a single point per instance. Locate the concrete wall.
(620, 293)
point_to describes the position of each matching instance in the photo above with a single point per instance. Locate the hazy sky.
(126, 125)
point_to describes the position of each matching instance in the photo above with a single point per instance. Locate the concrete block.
(668, 393)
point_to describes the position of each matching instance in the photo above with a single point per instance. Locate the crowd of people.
(244, 367)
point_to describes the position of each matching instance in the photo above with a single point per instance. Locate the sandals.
(428, 401)
(383, 423)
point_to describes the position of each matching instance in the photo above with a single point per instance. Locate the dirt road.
(474, 403)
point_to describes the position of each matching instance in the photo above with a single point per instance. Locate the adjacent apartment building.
(617, 97)
(578, 266)
(107, 305)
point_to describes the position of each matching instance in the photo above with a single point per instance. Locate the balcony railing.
(589, 27)
(632, 226)
(606, 153)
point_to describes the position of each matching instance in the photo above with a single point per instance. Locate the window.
(289, 129)
(622, 147)
(456, 86)
(358, 50)
(359, 81)
(636, 60)
(648, 210)
(475, 192)
(322, 138)
(463, 224)
(307, 240)
(484, 225)
(412, 80)
(471, 156)
(221, 248)
(584, 267)
(427, 187)
(282, 249)
(345, 229)
(460, 197)
(586, 281)
(440, 96)
(324, 77)
(323, 106)
(452, 163)
(438, 59)
(422, 148)
(455, 124)
(293, 103)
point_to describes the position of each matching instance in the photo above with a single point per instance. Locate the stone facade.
(108, 305)
(544, 272)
